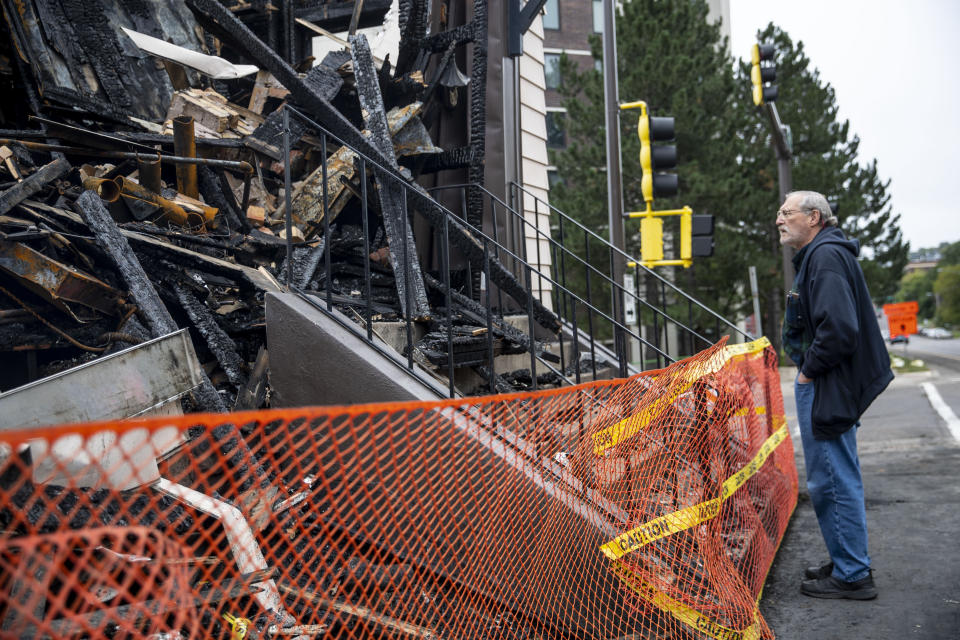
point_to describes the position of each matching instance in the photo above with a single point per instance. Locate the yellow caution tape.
(238, 626)
(629, 427)
(683, 613)
(692, 516)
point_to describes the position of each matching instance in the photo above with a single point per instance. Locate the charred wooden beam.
(413, 28)
(112, 241)
(478, 123)
(243, 276)
(211, 189)
(500, 384)
(312, 263)
(479, 313)
(32, 184)
(223, 348)
(458, 158)
(473, 250)
(410, 287)
(142, 293)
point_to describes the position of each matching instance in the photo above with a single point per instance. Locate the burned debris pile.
(143, 185)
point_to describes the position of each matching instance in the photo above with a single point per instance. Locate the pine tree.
(825, 159)
(673, 59)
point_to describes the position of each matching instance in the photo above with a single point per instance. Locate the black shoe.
(830, 587)
(815, 573)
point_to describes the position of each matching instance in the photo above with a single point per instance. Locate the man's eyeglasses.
(786, 213)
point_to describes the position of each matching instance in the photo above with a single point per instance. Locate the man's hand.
(802, 379)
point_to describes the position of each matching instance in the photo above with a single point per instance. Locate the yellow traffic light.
(656, 159)
(761, 75)
(651, 239)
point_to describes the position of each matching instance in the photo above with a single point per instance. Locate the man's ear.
(819, 217)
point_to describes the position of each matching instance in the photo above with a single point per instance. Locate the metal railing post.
(576, 339)
(408, 291)
(490, 357)
(366, 248)
(533, 342)
(287, 188)
(445, 265)
(328, 268)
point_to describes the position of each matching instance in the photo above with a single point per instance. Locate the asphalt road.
(911, 466)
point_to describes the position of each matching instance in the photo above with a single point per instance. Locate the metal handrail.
(527, 271)
(600, 273)
(448, 216)
(630, 258)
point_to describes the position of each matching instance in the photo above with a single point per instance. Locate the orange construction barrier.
(649, 507)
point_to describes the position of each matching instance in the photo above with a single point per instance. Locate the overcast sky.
(895, 67)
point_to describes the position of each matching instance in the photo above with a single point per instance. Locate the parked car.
(938, 333)
(899, 338)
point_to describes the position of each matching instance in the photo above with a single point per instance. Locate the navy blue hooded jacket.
(846, 356)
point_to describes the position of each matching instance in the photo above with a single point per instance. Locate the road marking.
(941, 407)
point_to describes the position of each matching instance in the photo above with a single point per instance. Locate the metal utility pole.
(755, 294)
(781, 142)
(611, 100)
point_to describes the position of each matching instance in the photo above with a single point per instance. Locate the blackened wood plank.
(142, 292)
(409, 279)
(37, 181)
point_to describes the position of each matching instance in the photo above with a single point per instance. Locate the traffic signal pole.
(611, 100)
(781, 147)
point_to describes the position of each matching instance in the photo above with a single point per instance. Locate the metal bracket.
(518, 22)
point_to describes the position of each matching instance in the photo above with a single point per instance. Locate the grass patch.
(906, 365)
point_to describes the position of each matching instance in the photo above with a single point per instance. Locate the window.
(598, 16)
(551, 20)
(556, 136)
(553, 178)
(551, 70)
(598, 65)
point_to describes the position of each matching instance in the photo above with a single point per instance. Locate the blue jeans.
(836, 490)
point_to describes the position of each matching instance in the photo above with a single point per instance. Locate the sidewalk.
(911, 469)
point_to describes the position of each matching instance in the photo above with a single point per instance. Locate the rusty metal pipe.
(108, 190)
(184, 144)
(171, 210)
(241, 166)
(149, 171)
(246, 194)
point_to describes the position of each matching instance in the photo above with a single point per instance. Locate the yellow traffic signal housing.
(761, 75)
(654, 160)
(651, 239)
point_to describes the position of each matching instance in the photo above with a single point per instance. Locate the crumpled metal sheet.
(56, 282)
(213, 66)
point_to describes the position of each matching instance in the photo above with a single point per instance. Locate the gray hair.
(811, 200)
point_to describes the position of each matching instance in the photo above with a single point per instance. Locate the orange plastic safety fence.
(649, 507)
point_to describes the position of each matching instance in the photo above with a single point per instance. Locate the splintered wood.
(213, 115)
